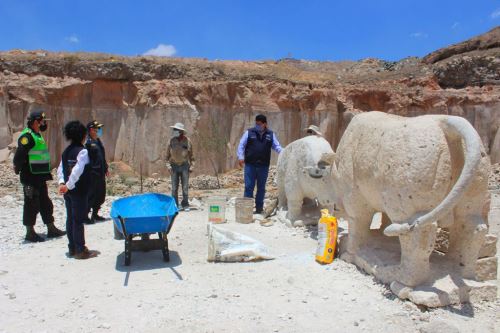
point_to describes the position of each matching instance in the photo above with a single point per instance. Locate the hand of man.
(63, 189)
(107, 173)
(241, 163)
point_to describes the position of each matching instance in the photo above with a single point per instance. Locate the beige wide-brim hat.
(314, 128)
(179, 126)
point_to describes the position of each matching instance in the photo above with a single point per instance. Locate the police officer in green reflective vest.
(32, 163)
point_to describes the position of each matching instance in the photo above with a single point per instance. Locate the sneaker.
(186, 209)
(259, 211)
(89, 221)
(33, 237)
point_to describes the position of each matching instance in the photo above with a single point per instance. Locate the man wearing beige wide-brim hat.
(180, 161)
(313, 130)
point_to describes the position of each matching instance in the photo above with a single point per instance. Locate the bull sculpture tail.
(452, 126)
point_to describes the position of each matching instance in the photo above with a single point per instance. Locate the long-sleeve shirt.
(243, 142)
(180, 151)
(81, 160)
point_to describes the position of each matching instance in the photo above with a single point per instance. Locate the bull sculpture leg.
(280, 180)
(282, 202)
(359, 229)
(466, 238)
(294, 208)
(294, 200)
(416, 248)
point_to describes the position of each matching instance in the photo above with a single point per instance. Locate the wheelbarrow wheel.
(164, 248)
(128, 250)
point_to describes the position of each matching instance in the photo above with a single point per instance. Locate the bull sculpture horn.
(398, 229)
(327, 158)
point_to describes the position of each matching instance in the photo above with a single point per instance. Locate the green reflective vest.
(38, 156)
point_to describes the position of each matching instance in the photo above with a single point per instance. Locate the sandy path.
(43, 290)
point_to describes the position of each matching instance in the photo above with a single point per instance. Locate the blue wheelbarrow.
(142, 215)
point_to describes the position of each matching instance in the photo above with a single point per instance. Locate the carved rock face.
(139, 98)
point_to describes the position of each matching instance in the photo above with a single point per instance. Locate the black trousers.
(76, 213)
(97, 193)
(36, 200)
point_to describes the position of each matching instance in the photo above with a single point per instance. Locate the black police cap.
(37, 115)
(94, 124)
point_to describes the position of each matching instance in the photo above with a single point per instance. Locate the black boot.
(89, 221)
(32, 236)
(96, 217)
(53, 232)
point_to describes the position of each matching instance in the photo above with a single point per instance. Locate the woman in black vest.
(74, 179)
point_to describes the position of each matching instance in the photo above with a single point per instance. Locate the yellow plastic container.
(327, 238)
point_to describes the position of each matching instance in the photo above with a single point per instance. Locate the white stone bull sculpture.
(420, 172)
(301, 174)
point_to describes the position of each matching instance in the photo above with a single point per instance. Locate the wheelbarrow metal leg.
(128, 250)
(164, 249)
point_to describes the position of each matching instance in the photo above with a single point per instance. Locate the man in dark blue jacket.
(99, 170)
(254, 152)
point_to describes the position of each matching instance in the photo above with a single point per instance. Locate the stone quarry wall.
(137, 114)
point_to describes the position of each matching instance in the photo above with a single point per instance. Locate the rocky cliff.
(138, 98)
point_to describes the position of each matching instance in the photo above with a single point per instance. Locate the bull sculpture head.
(325, 170)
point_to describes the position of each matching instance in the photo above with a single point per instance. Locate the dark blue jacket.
(258, 147)
(97, 156)
(69, 158)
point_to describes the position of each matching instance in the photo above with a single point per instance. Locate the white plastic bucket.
(216, 210)
(244, 210)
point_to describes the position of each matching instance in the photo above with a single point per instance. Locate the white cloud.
(162, 50)
(419, 35)
(455, 25)
(495, 14)
(73, 39)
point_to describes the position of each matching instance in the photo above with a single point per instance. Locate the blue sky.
(247, 30)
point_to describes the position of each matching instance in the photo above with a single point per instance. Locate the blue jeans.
(254, 173)
(76, 213)
(180, 173)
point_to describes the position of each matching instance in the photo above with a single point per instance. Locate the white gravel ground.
(42, 290)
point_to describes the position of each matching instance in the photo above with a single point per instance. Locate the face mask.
(259, 128)
(176, 134)
(99, 132)
(43, 126)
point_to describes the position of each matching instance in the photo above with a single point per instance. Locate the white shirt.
(81, 160)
